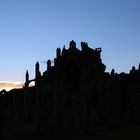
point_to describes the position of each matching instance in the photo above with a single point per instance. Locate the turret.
(48, 64)
(112, 72)
(27, 77)
(63, 50)
(133, 69)
(98, 50)
(72, 44)
(58, 53)
(37, 74)
(37, 69)
(84, 45)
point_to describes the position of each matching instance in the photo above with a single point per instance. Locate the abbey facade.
(75, 91)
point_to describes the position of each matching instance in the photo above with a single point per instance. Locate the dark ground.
(17, 130)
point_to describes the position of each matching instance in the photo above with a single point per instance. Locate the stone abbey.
(76, 92)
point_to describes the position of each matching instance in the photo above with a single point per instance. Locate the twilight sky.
(31, 30)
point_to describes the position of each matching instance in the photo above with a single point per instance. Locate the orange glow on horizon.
(13, 85)
(10, 85)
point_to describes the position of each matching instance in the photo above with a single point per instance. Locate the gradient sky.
(31, 30)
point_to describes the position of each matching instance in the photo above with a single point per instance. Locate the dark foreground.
(15, 130)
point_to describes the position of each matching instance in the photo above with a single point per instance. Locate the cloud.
(10, 85)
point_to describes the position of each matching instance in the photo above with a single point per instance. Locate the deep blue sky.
(31, 30)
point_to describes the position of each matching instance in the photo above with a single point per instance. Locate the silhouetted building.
(76, 92)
